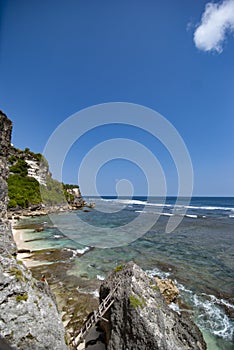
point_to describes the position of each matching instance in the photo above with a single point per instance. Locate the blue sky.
(58, 57)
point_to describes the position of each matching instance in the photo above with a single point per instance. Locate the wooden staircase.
(97, 315)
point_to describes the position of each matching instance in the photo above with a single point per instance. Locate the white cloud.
(217, 20)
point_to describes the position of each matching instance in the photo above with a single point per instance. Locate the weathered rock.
(29, 319)
(140, 319)
(6, 241)
(168, 289)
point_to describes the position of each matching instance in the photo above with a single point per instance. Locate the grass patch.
(17, 273)
(155, 287)
(66, 340)
(135, 302)
(22, 297)
(118, 268)
(19, 262)
(30, 336)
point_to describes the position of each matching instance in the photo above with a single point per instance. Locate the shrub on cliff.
(23, 191)
(20, 168)
(53, 193)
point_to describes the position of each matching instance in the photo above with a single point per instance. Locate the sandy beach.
(74, 305)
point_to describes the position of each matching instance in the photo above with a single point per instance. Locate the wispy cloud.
(217, 20)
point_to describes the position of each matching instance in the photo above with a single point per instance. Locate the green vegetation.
(66, 340)
(53, 193)
(12, 159)
(25, 191)
(22, 297)
(17, 273)
(19, 262)
(118, 268)
(155, 287)
(27, 151)
(135, 302)
(69, 186)
(30, 336)
(69, 196)
(20, 168)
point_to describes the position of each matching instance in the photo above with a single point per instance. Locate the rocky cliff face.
(29, 319)
(140, 318)
(6, 241)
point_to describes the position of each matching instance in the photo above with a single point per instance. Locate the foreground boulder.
(168, 289)
(140, 318)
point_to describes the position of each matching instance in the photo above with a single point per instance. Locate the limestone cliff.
(29, 319)
(140, 318)
(38, 167)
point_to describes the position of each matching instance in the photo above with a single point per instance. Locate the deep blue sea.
(198, 254)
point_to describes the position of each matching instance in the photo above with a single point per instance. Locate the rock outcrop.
(168, 289)
(29, 319)
(140, 318)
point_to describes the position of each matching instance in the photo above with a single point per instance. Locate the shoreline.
(39, 210)
(74, 303)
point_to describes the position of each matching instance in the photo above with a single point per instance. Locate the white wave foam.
(82, 251)
(100, 278)
(205, 207)
(95, 292)
(182, 288)
(210, 315)
(231, 216)
(77, 251)
(208, 308)
(213, 317)
(153, 212)
(174, 307)
(191, 216)
(131, 201)
(139, 202)
(156, 272)
(160, 205)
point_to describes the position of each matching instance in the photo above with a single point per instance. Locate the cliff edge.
(29, 319)
(140, 318)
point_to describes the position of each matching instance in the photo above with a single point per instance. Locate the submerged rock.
(140, 318)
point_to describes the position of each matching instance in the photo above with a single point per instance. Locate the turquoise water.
(198, 254)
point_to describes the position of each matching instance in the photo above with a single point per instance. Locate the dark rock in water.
(51, 255)
(39, 229)
(24, 251)
(35, 207)
(140, 318)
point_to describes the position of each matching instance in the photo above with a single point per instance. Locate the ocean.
(198, 254)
